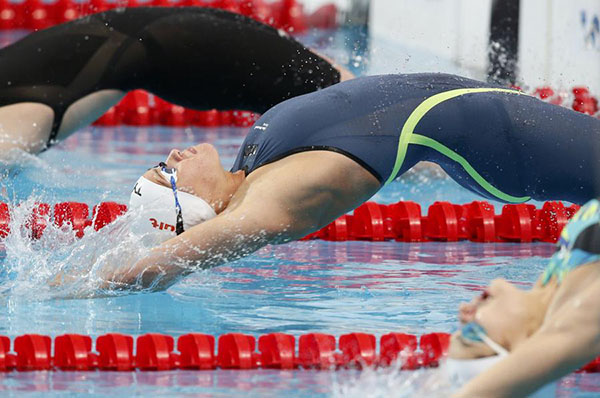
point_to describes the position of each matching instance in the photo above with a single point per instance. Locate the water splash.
(59, 265)
(16, 161)
(392, 382)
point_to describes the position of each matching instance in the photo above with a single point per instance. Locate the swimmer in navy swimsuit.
(494, 141)
(315, 157)
(59, 79)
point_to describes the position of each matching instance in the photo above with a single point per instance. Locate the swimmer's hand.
(147, 274)
(73, 284)
(227, 237)
(137, 278)
(61, 279)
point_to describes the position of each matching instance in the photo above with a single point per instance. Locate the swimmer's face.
(199, 172)
(507, 313)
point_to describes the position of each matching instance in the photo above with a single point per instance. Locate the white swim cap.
(461, 371)
(157, 212)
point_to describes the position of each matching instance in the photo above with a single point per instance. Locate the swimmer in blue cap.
(514, 342)
(57, 80)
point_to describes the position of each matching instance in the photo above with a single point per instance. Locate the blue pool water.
(295, 288)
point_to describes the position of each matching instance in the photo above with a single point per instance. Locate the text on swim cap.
(137, 190)
(161, 225)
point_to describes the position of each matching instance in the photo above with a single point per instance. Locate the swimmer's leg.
(24, 126)
(466, 173)
(27, 126)
(418, 159)
(86, 110)
(514, 147)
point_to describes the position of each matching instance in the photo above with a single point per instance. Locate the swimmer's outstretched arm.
(568, 339)
(225, 238)
(277, 203)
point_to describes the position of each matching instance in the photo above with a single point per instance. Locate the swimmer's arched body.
(533, 337)
(315, 157)
(57, 80)
(495, 141)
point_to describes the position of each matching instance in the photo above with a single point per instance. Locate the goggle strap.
(179, 229)
(475, 332)
(179, 226)
(492, 344)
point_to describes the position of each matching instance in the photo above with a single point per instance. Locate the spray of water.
(59, 265)
(392, 382)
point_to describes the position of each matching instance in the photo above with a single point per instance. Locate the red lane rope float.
(583, 100)
(448, 222)
(140, 108)
(72, 214)
(402, 221)
(282, 14)
(155, 352)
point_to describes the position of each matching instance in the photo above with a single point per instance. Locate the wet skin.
(550, 331)
(509, 315)
(279, 202)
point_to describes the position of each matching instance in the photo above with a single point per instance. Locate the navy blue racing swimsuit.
(495, 141)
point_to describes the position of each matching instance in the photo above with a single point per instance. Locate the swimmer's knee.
(25, 126)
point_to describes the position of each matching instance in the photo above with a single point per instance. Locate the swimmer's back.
(495, 141)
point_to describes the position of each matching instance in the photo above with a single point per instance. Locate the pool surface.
(301, 287)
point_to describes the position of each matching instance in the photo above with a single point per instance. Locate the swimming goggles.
(473, 331)
(170, 174)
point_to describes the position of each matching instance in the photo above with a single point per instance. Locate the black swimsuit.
(201, 58)
(498, 142)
